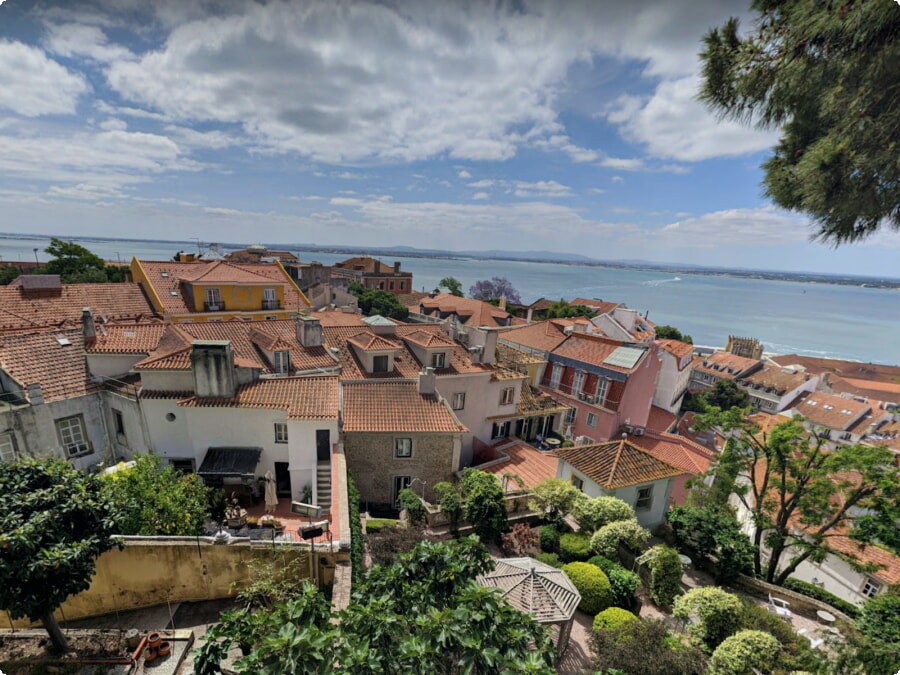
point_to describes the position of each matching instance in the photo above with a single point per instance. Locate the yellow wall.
(236, 297)
(150, 571)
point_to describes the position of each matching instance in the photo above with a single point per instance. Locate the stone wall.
(802, 604)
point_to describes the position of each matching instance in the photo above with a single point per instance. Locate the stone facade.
(372, 463)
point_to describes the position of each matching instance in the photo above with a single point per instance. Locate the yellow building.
(199, 291)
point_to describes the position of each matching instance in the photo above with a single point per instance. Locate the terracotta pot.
(165, 648)
(153, 640)
(150, 654)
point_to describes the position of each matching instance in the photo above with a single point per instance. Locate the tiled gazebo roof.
(542, 591)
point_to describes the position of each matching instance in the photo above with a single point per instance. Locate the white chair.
(780, 608)
(814, 643)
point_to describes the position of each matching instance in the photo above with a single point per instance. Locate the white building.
(773, 388)
(675, 359)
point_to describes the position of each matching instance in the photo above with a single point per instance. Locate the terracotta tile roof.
(879, 391)
(395, 407)
(676, 348)
(127, 338)
(875, 372)
(828, 410)
(594, 349)
(428, 339)
(370, 342)
(303, 398)
(724, 365)
(411, 298)
(676, 450)
(519, 458)
(168, 279)
(543, 335)
(514, 359)
(599, 306)
(772, 376)
(108, 302)
(660, 419)
(41, 358)
(617, 464)
(247, 338)
(165, 394)
(338, 318)
(887, 434)
(470, 311)
(541, 305)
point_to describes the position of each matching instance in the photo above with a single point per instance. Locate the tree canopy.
(494, 289)
(375, 301)
(423, 614)
(825, 75)
(54, 522)
(452, 285)
(724, 395)
(566, 310)
(672, 333)
(801, 494)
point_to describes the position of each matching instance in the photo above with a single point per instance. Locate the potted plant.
(237, 517)
(306, 494)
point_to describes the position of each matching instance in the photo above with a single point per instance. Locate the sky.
(544, 126)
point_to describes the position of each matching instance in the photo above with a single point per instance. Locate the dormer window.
(439, 360)
(213, 300)
(380, 364)
(283, 362)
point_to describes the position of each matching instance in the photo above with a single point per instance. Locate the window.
(182, 465)
(459, 400)
(402, 448)
(281, 432)
(577, 482)
(7, 448)
(400, 483)
(602, 386)
(506, 396)
(591, 420)
(644, 498)
(213, 299)
(72, 435)
(571, 415)
(578, 381)
(283, 362)
(402, 285)
(556, 376)
(392, 285)
(438, 360)
(380, 364)
(500, 430)
(119, 421)
(870, 588)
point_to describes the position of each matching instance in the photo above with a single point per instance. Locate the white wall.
(112, 365)
(670, 382)
(167, 380)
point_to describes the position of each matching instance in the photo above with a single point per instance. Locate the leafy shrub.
(554, 498)
(613, 618)
(549, 538)
(592, 583)
(378, 524)
(658, 653)
(624, 582)
(665, 574)
(592, 514)
(410, 501)
(629, 533)
(812, 591)
(450, 501)
(356, 533)
(574, 547)
(485, 506)
(880, 619)
(796, 654)
(550, 559)
(386, 544)
(716, 615)
(713, 531)
(745, 652)
(521, 541)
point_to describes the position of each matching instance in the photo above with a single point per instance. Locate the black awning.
(229, 462)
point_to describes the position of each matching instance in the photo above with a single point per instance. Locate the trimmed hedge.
(880, 619)
(378, 524)
(811, 591)
(624, 583)
(717, 615)
(592, 583)
(613, 618)
(356, 533)
(574, 547)
(549, 539)
(550, 559)
(744, 652)
(665, 574)
(607, 539)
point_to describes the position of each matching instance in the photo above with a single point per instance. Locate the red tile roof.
(724, 365)
(41, 358)
(127, 338)
(594, 349)
(676, 450)
(828, 410)
(108, 302)
(599, 306)
(677, 348)
(338, 318)
(470, 311)
(370, 342)
(879, 391)
(524, 461)
(368, 265)
(660, 419)
(395, 407)
(303, 398)
(775, 377)
(617, 464)
(543, 335)
(428, 339)
(874, 372)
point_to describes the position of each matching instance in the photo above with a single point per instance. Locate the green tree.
(713, 532)
(628, 533)
(725, 395)
(374, 301)
(825, 75)
(8, 273)
(566, 310)
(643, 647)
(70, 260)
(592, 514)
(452, 285)
(152, 500)
(555, 498)
(424, 613)
(485, 506)
(714, 613)
(880, 619)
(54, 522)
(666, 571)
(672, 333)
(787, 478)
(745, 653)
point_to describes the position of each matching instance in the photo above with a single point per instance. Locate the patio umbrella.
(271, 497)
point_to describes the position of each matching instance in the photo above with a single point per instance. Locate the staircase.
(323, 485)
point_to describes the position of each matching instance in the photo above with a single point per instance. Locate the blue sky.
(557, 126)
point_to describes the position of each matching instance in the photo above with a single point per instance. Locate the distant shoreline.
(769, 275)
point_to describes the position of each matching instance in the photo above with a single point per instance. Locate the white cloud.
(349, 175)
(747, 227)
(212, 140)
(464, 174)
(562, 143)
(79, 39)
(32, 85)
(480, 195)
(597, 191)
(616, 180)
(483, 183)
(541, 188)
(622, 163)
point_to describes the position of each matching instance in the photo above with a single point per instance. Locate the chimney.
(397, 267)
(35, 394)
(427, 382)
(529, 315)
(309, 331)
(489, 352)
(87, 326)
(502, 303)
(212, 364)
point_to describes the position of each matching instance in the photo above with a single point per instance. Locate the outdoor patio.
(292, 523)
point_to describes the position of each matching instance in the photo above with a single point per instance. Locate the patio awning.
(230, 462)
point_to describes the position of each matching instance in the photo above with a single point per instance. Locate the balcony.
(271, 303)
(217, 306)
